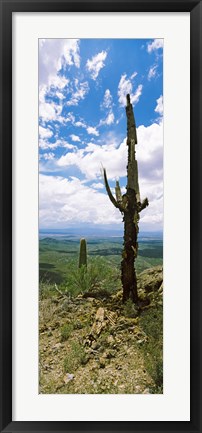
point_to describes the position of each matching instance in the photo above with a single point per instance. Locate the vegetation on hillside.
(90, 342)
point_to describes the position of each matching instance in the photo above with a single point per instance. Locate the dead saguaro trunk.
(130, 206)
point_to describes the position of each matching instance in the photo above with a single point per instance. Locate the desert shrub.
(46, 289)
(98, 275)
(151, 322)
(76, 357)
(130, 309)
(66, 331)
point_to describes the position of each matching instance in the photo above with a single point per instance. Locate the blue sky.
(82, 127)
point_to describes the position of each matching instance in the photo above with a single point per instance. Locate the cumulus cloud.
(75, 137)
(78, 92)
(58, 81)
(49, 111)
(125, 86)
(44, 144)
(83, 204)
(107, 100)
(149, 154)
(96, 64)
(109, 119)
(159, 107)
(48, 156)
(107, 105)
(71, 202)
(53, 53)
(97, 185)
(80, 124)
(155, 45)
(60, 95)
(45, 132)
(91, 130)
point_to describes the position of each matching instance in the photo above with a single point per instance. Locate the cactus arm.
(118, 192)
(143, 205)
(111, 197)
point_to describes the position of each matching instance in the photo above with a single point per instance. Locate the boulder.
(151, 279)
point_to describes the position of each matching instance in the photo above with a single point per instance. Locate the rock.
(146, 391)
(102, 361)
(95, 345)
(98, 324)
(138, 389)
(110, 340)
(68, 377)
(110, 353)
(57, 346)
(151, 279)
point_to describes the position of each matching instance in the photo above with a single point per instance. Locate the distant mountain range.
(94, 232)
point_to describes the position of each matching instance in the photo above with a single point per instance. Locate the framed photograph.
(100, 216)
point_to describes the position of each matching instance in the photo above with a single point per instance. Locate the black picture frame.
(7, 8)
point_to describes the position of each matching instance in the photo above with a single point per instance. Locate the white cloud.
(53, 53)
(96, 64)
(98, 185)
(83, 204)
(48, 156)
(80, 124)
(109, 119)
(70, 118)
(45, 132)
(71, 52)
(67, 202)
(107, 101)
(75, 137)
(134, 97)
(81, 89)
(60, 95)
(133, 75)
(91, 159)
(91, 130)
(57, 81)
(125, 86)
(159, 107)
(49, 111)
(44, 144)
(155, 45)
(149, 153)
(152, 72)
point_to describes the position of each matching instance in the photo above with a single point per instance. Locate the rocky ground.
(93, 344)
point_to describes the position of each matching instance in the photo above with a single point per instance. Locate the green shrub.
(130, 309)
(99, 275)
(151, 322)
(66, 331)
(76, 357)
(46, 290)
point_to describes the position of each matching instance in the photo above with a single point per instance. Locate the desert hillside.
(92, 343)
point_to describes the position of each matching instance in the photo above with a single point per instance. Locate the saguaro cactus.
(82, 253)
(130, 206)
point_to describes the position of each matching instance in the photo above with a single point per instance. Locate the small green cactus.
(82, 253)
